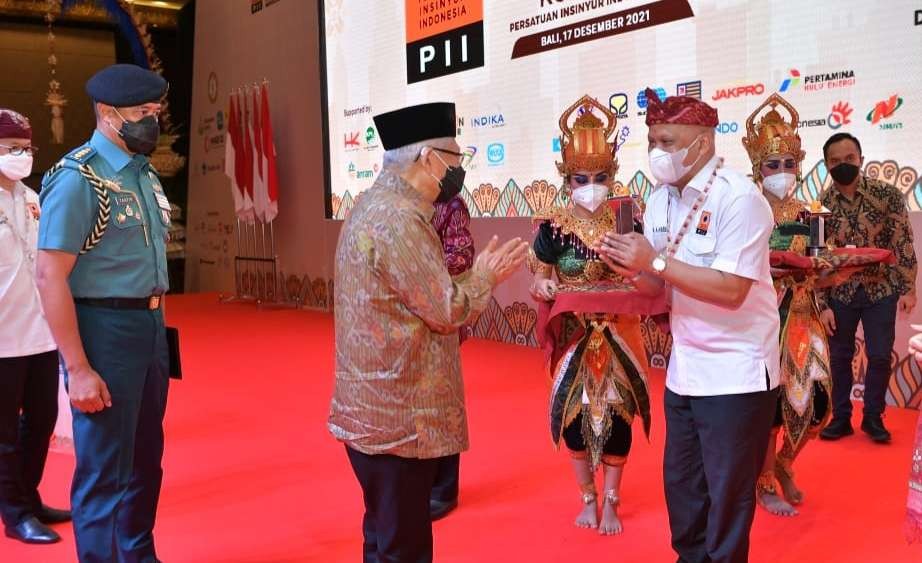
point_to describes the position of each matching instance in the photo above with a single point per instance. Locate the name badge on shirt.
(704, 223)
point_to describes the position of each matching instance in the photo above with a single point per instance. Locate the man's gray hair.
(401, 158)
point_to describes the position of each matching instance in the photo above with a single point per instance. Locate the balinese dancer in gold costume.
(774, 148)
(589, 320)
(804, 405)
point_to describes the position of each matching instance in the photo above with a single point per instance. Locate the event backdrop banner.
(512, 66)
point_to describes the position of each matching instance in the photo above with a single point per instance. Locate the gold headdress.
(772, 135)
(585, 145)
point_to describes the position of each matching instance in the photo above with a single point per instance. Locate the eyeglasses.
(18, 151)
(466, 157)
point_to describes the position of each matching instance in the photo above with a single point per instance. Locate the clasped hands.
(627, 254)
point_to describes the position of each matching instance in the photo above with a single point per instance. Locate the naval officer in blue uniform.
(102, 274)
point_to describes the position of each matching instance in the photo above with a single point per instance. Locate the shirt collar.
(411, 195)
(860, 190)
(117, 158)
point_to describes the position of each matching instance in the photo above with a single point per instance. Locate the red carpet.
(253, 476)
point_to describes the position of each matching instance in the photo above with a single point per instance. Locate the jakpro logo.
(739, 91)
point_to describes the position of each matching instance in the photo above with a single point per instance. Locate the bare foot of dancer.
(611, 524)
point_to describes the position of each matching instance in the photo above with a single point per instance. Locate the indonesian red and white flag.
(259, 184)
(246, 142)
(231, 164)
(269, 170)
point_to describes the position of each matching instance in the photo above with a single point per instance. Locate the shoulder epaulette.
(81, 154)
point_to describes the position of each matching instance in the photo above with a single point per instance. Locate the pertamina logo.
(820, 81)
(791, 81)
(617, 103)
(443, 37)
(840, 115)
(885, 110)
(739, 91)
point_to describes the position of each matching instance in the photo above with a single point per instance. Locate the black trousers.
(715, 447)
(445, 487)
(28, 411)
(879, 323)
(397, 526)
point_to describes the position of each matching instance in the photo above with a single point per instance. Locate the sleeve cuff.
(733, 267)
(60, 244)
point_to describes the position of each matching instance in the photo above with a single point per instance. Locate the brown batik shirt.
(876, 217)
(398, 386)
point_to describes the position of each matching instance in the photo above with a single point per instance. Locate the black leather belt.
(137, 303)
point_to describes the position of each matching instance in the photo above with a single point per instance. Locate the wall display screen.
(513, 66)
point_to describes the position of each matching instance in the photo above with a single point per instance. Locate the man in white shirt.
(706, 231)
(28, 355)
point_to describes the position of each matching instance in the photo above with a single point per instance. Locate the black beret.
(413, 124)
(124, 85)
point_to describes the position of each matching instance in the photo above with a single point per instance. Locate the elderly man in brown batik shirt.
(865, 213)
(398, 402)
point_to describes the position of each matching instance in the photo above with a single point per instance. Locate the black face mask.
(844, 174)
(140, 136)
(451, 183)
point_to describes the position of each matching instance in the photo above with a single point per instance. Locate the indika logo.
(727, 127)
(739, 91)
(791, 81)
(494, 120)
(839, 115)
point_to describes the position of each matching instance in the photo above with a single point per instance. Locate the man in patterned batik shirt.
(398, 400)
(865, 213)
(452, 221)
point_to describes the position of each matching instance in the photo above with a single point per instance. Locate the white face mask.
(667, 167)
(779, 185)
(16, 167)
(590, 197)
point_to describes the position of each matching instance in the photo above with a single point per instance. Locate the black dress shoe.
(873, 426)
(31, 530)
(439, 509)
(48, 515)
(837, 429)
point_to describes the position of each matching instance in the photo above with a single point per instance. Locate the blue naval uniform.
(117, 480)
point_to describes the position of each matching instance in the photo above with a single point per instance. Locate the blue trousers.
(118, 475)
(879, 323)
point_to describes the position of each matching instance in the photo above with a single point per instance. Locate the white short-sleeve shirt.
(24, 328)
(718, 350)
